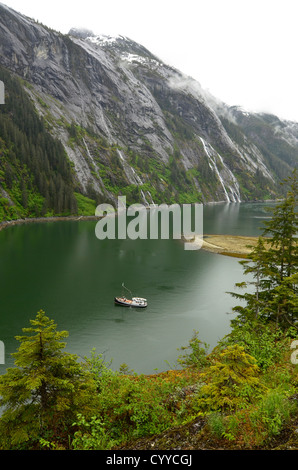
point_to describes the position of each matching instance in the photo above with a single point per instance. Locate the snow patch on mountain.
(103, 39)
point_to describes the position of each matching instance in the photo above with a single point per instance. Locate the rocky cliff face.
(132, 125)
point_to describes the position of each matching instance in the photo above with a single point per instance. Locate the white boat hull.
(137, 302)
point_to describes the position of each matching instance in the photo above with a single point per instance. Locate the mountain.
(122, 122)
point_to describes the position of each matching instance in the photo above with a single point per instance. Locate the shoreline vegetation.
(10, 223)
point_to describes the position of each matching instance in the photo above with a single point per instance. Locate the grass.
(86, 206)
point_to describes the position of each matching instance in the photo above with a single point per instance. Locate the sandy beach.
(230, 245)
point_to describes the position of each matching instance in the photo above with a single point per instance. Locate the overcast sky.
(243, 51)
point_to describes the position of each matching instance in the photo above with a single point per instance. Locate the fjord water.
(62, 268)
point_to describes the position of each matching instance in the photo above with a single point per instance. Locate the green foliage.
(51, 401)
(45, 390)
(263, 341)
(169, 183)
(273, 265)
(195, 353)
(130, 405)
(255, 426)
(216, 424)
(274, 411)
(282, 230)
(231, 382)
(91, 435)
(34, 169)
(86, 206)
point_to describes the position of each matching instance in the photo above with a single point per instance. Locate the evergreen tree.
(231, 382)
(32, 149)
(45, 390)
(257, 266)
(282, 230)
(24, 194)
(273, 265)
(282, 305)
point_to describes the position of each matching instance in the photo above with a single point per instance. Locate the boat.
(134, 302)
(138, 302)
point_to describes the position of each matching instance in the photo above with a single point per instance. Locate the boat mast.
(126, 288)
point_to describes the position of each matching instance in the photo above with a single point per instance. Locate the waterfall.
(134, 178)
(137, 178)
(144, 197)
(88, 151)
(214, 167)
(234, 191)
(230, 186)
(152, 202)
(93, 162)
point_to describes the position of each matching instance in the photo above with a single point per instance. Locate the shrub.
(273, 412)
(131, 405)
(231, 382)
(195, 353)
(261, 340)
(91, 435)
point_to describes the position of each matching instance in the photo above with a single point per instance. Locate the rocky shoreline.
(11, 223)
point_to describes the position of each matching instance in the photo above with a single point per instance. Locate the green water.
(62, 268)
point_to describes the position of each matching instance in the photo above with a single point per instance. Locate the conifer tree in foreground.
(43, 393)
(273, 265)
(235, 371)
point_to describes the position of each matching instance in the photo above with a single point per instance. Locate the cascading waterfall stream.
(214, 167)
(233, 186)
(87, 149)
(234, 191)
(134, 178)
(90, 156)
